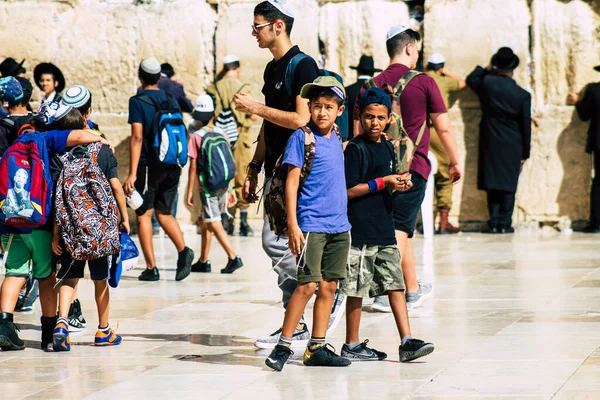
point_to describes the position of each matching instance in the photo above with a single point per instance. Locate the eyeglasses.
(256, 28)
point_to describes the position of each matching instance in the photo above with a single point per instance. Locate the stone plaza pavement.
(512, 317)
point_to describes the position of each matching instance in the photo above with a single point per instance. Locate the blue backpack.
(170, 135)
(215, 164)
(341, 121)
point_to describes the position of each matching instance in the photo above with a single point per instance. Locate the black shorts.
(73, 269)
(407, 205)
(158, 186)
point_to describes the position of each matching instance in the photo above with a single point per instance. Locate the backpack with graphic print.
(404, 147)
(275, 198)
(26, 183)
(86, 209)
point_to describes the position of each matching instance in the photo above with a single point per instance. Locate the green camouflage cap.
(329, 82)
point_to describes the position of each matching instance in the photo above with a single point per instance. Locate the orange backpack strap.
(25, 128)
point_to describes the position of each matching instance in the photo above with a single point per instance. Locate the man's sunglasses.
(256, 28)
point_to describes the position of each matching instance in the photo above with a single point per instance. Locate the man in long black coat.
(365, 69)
(588, 109)
(505, 135)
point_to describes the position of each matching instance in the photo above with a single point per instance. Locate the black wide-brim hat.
(505, 59)
(49, 68)
(10, 67)
(597, 68)
(366, 64)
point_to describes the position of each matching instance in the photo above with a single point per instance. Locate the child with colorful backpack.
(27, 236)
(213, 168)
(89, 201)
(308, 203)
(17, 100)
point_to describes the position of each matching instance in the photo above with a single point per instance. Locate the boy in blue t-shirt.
(374, 261)
(318, 224)
(35, 248)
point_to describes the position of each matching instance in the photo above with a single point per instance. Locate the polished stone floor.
(512, 317)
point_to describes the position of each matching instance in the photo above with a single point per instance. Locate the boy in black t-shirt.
(374, 261)
(155, 181)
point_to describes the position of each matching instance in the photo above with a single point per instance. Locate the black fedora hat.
(505, 59)
(597, 68)
(366, 64)
(10, 67)
(49, 68)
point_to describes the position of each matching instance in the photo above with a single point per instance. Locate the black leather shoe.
(510, 229)
(491, 230)
(591, 229)
(150, 275)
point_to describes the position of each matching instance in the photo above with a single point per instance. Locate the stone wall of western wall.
(99, 43)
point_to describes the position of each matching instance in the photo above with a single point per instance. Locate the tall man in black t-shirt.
(282, 114)
(156, 181)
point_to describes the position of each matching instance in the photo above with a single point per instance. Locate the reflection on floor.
(511, 316)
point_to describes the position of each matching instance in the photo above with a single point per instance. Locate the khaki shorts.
(214, 203)
(372, 271)
(325, 257)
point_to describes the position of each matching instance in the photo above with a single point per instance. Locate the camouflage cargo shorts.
(372, 271)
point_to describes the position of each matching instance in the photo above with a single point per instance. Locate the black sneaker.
(74, 324)
(79, 313)
(28, 296)
(324, 356)
(413, 349)
(232, 266)
(184, 264)
(246, 229)
(201, 266)
(362, 353)
(9, 338)
(278, 357)
(150, 275)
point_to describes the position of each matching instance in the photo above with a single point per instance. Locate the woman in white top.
(50, 80)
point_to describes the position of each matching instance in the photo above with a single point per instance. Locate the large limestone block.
(469, 32)
(566, 47)
(96, 47)
(350, 29)
(181, 34)
(556, 180)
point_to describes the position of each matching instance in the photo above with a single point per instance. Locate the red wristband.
(380, 184)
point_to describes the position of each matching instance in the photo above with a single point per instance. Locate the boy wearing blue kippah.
(374, 261)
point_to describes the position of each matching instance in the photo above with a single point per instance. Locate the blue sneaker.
(107, 339)
(28, 296)
(60, 338)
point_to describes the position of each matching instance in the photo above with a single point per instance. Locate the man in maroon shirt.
(420, 100)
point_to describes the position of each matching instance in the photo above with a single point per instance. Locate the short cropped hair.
(271, 13)
(147, 78)
(396, 44)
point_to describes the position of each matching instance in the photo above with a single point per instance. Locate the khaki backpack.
(404, 147)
